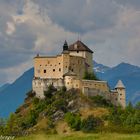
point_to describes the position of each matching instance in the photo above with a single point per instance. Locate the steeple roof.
(65, 46)
(120, 84)
(79, 46)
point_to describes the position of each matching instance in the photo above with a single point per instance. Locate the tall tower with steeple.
(120, 88)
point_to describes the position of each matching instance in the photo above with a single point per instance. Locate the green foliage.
(30, 120)
(73, 120)
(128, 119)
(63, 89)
(50, 124)
(91, 123)
(35, 101)
(60, 104)
(90, 76)
(12, 126)
(137, 106)
(49, 92)
(41, 105)
(100, 101)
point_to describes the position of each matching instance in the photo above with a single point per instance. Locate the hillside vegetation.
(67, 112)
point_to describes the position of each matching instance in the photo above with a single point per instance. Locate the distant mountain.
(13, 96)
(100, 67)
(120, 70)
(4, 86)
(129, 74)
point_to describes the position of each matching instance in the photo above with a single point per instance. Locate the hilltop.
(65, 112)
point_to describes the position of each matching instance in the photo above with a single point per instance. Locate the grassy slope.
(81, 136)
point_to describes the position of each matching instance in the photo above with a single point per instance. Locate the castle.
(68, 69)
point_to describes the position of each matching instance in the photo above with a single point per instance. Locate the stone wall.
(48, 67)
(98, 85)
(41, 85)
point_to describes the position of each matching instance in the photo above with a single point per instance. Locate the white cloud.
(10, 28)
(110, 27)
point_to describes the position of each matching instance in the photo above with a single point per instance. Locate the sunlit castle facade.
(67, 69)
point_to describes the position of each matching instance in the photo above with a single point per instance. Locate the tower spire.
(65, 46)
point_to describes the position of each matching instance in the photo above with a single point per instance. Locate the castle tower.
(80, 49)
(68, 79)
(65, 58)
(120, 88)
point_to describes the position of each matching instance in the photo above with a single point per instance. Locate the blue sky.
(111, 28)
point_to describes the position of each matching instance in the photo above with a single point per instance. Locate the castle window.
(53, 70)
(59, 69)
(120, 94)
(48, 62)
(40, 65)
(72, 70)
(77, 51)
(44, 71)
(59, 63)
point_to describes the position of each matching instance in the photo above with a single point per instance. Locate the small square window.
(44, 71)
(59, 69)
(53, 70)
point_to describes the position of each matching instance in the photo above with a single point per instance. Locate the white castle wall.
(41, 85)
